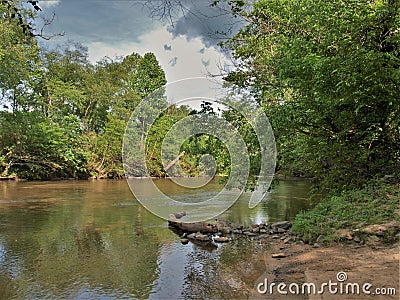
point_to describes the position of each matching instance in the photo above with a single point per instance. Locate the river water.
(93, 240)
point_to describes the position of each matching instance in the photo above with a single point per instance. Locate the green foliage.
(33, 147)
(18, 55)
(106, 149)
(148, 76)
(327, 73)
(376, 203)
(68, 116)
(156, 137)
(250, 139)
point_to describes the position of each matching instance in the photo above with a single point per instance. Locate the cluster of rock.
(222, 231)
(374, 234)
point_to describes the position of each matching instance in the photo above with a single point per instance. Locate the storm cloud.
(99, 21)
(185, 44)
(111, 22)
(200, 20)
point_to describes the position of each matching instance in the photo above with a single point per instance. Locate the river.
(93, 240)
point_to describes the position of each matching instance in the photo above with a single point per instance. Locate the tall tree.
(18, 54)
(329, 71)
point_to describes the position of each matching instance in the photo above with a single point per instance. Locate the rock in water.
(180, 215)
(177, 216)
(193, 227)
(283, 224)
(202, 237)
(226, 230)
(192, 236)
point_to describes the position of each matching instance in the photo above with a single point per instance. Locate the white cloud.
(189, 56)
(48, 3)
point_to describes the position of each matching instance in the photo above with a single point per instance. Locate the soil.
(374, 264)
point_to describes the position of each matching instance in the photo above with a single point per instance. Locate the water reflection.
(92, 240)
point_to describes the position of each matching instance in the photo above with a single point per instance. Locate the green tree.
(18, 55)
(328, 71)
(34, 147)
(133, 78)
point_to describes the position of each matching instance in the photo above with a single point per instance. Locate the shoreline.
(303, 263)
(285, 258)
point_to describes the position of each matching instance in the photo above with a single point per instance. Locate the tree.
(132, 79)
(33, 147)
(18, 54)
(330, 72)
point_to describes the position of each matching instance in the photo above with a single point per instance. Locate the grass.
(352, 210)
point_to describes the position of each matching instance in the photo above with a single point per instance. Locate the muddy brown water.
(93, 240)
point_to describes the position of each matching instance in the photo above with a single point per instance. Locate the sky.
(186, 47)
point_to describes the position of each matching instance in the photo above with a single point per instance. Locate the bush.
(352, 210)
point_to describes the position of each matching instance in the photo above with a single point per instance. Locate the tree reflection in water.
(93, 240)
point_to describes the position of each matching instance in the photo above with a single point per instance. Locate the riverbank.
(367, 216)
(284, 258)
(354, 235)
(363, 214)
(376, 264)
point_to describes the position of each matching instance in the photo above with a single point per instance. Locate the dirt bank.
(377, 265)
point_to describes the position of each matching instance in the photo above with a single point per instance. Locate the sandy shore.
(377, 265)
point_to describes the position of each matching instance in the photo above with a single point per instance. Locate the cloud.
(99, 21)
(48, 3)
(118, 28)
(210, 24)
(189, 60)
